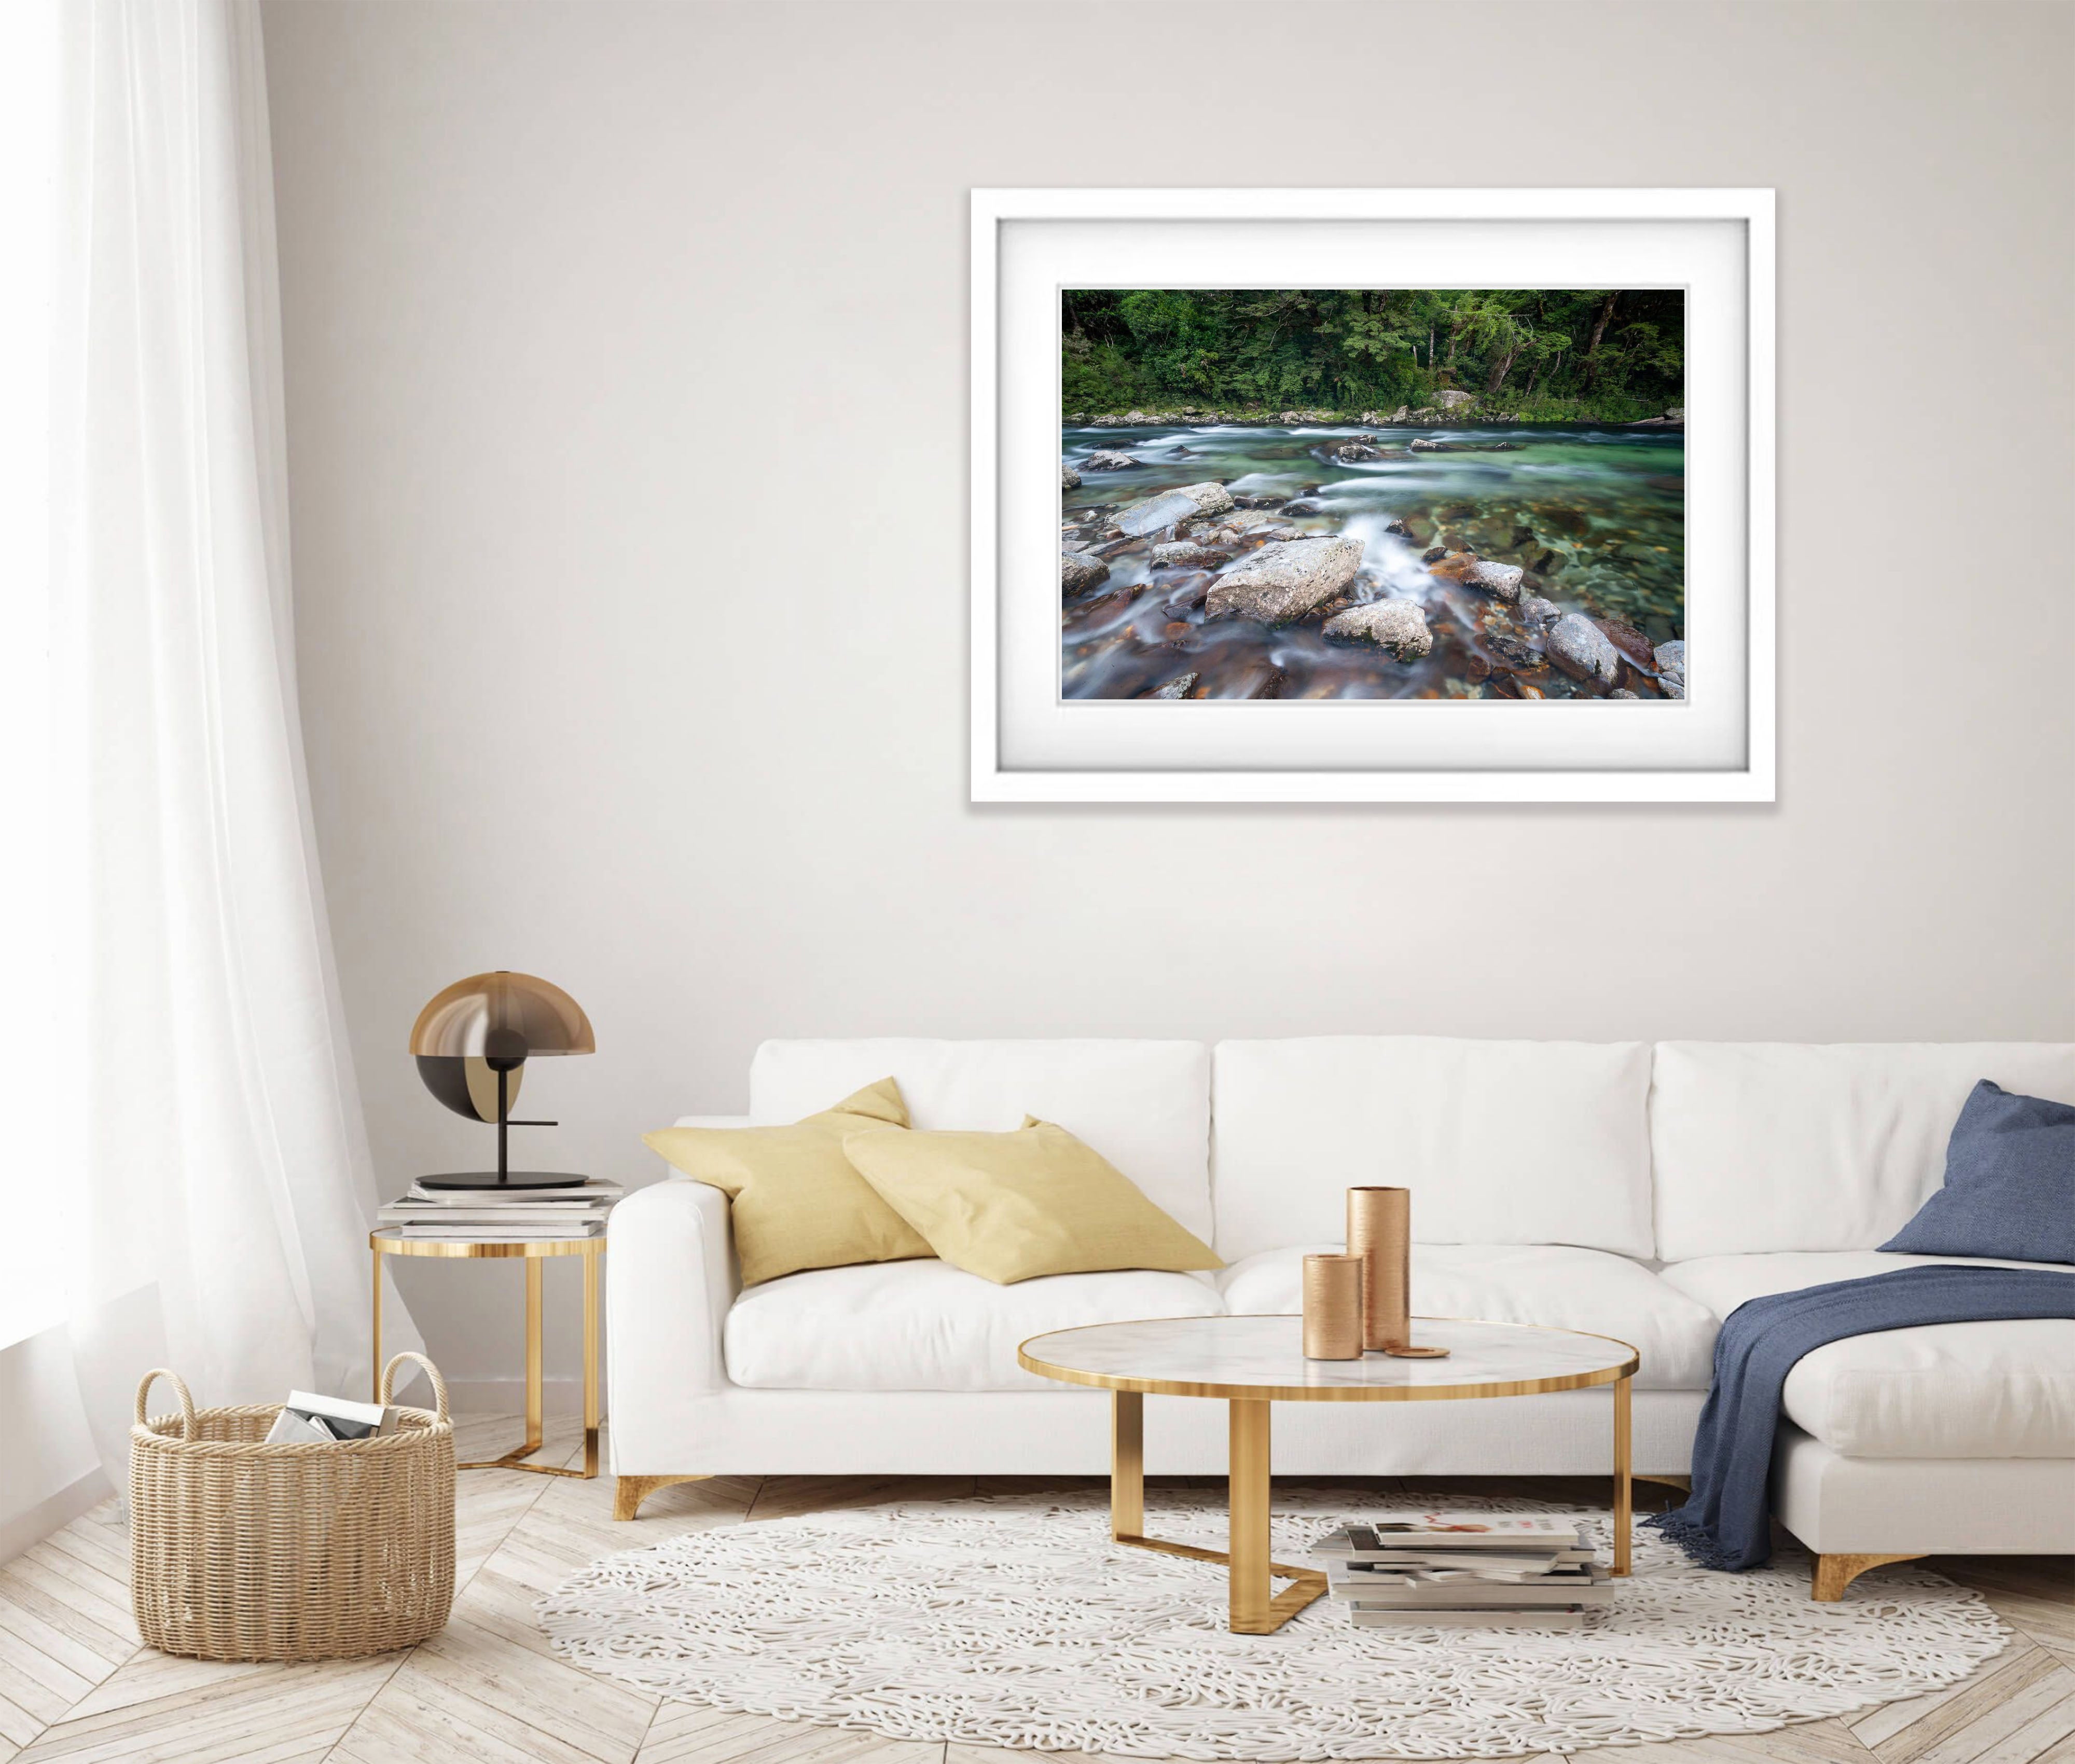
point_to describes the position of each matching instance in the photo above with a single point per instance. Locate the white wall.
(626, 359)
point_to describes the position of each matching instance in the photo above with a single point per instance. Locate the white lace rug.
(1015, 1621)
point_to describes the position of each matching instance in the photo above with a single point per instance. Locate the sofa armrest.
(671, 1279)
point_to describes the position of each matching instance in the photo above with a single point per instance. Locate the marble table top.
(1263, 1357)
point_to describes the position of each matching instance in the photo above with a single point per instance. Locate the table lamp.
(472, 1042)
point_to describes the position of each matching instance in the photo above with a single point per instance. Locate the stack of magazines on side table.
(576, 1209)
(1523, 1571)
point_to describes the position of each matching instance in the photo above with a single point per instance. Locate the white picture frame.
(1029, 746)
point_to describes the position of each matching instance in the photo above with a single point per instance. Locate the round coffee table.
(1252, 1361)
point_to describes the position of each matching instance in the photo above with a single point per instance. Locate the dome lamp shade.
(471, 1043)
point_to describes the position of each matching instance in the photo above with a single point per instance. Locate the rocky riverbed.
(1379, 560)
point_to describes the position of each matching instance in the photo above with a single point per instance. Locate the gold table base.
(592, 1250)
(1256, 1608)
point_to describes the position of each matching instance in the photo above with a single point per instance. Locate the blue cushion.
(2010, 1183)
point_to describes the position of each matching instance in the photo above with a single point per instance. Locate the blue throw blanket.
(1726, 1521)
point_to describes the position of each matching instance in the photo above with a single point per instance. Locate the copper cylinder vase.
(1332, 1307)
(1380, 1233)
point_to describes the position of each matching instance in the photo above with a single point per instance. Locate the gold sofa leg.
(630, 1492)
(1834, 1573)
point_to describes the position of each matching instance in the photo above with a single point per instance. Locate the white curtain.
(213, 1142)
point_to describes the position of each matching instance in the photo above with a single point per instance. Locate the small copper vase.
(1332, 1307)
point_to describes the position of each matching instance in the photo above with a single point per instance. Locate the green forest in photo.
(1535, 354)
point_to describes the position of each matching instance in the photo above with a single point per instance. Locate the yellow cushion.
(1010, 1206)
(795, 1199)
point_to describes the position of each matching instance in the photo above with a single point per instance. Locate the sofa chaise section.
(1780, 1167)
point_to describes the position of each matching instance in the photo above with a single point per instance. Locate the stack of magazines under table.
(1525, 1570)
(578, 1209)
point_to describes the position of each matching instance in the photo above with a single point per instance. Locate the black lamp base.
(490, 1181)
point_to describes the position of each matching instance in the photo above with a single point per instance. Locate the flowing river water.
(1596, 516)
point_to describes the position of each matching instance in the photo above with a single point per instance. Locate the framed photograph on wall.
(1373, 496)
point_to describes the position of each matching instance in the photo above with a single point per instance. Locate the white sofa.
(1632, 1190)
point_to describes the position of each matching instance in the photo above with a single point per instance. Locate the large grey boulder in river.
(1078, 572)
(1171, 507)
(1110, 462)
(1398, 626)
(1069, 478)
(1581, 648)
(1280, 582)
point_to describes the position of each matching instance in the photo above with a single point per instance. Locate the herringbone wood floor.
(74, 1685)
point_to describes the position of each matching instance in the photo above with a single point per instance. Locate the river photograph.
(1443, 494)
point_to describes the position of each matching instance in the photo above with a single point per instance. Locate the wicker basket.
(244, 1551)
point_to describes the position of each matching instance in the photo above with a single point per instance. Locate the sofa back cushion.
(1145, 1105)
(1767, 1147)
(1500, 1142)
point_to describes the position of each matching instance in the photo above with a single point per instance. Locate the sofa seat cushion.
(1588, 1289)
(928, 1326)
(1942, 1390)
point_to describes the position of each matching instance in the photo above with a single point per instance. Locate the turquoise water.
(1597, 515)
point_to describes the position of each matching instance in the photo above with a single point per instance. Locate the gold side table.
(392, 1242)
